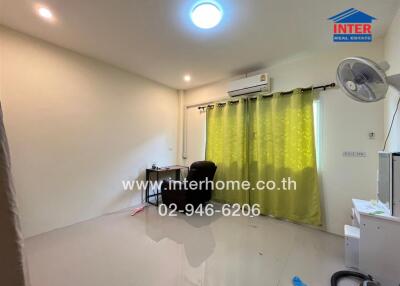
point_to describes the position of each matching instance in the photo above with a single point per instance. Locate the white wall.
(76, 128)
(345, 125)
(392, 55)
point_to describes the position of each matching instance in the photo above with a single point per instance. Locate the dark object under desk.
(181, 195)
(160, 173)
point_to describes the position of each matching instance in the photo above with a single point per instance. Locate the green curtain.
(268, 139)
(282, 146)
(227, 147)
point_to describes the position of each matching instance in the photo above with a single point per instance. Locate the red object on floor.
(137, 210)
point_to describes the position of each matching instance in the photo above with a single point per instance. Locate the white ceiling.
(156, 39)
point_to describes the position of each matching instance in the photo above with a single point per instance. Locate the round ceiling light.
(45, 13)
(206, 14)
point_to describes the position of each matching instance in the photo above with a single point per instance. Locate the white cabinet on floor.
(379, 242)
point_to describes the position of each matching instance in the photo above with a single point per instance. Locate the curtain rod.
(323, 87)
(207, 104)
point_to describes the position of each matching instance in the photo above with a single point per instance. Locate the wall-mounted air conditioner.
(250, 84)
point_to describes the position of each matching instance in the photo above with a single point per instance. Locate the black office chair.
(176, 192)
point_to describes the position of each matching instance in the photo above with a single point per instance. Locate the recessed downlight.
(206, 14)
(187, 77)
(45, 13)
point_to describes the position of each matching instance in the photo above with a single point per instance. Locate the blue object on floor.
(297, 281)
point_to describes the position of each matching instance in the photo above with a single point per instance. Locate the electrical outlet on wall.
(358, 154)
(371, 135)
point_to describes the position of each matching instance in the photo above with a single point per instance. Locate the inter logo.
(352, 25)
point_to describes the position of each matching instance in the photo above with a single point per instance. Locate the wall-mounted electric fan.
(366, 81)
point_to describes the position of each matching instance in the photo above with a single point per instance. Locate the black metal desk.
(160, 173)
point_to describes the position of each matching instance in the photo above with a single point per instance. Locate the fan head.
(362, 79)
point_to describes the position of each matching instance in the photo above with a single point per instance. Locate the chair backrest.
(201, 170)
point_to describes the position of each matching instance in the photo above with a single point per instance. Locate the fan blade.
(346, 73)
(366, 93)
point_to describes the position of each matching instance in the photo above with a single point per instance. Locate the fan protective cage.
(362, 79)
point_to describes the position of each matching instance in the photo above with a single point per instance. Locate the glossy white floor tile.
(148, 250)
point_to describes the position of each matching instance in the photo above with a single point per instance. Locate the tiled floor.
(148, 249)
